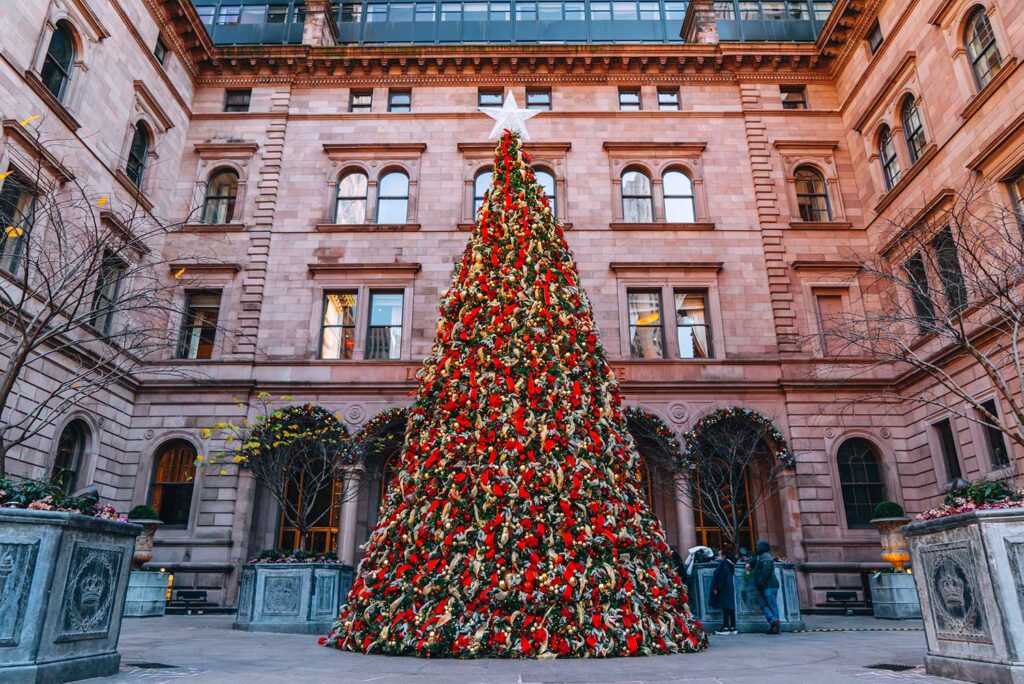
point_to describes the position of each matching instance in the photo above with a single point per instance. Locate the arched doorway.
(736, 464)
(380, 445)
(659, 451)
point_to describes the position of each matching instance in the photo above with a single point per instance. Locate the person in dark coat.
(723, 592)
(762, 574)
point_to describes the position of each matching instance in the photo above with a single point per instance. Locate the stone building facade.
(334, 180)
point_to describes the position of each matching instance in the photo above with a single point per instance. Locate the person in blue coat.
(723, 592)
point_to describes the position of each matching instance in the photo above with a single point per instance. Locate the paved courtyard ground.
(834, 650)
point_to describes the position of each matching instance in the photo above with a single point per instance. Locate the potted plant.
(64, 563)
(147, 589)
(298, 454)
(968, 557)
(893, 596)
(888, 519)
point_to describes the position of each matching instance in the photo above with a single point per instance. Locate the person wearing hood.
(767, 585)
(723, 592)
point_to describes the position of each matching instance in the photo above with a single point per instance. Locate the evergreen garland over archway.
(775, 439)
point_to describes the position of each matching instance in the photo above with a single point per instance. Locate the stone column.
(684, 518)
(320, 28)
(349, 510)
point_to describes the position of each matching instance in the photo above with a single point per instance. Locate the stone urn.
(144, 542)
(894, 543)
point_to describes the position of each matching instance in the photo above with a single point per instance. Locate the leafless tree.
(732, 473)
(86, 298)
(941, 306)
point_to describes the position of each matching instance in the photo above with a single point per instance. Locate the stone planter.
(894, 596)
(300, 598)
(749, 617)
(147, 594)
(969, 571)
(144, 542)
(894, 544)
(63, 578)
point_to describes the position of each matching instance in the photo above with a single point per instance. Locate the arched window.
(481, 184)
(812, 195)
(547, 181)
(393, 198)
(174, 474)
(890, 162)
(17, 212)
(68, 460)
(860, 477)
(679, 202)
(913, 129)
(221, 191)
(986, 60)
(136, 166)
(351, 203)
(637, 202)
(60, 56)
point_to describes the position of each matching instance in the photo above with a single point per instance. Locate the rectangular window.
(947, 446)
(160, 51)
(575, 11)
(646, 332)
(947, 263)
(377, 12)
(668, 99)
(693, 329)
(629, 100)
(500, 11)
(490, 97)
(451, 11)
(277, 14)
(401, 11)
(237, 100)
(474, 11)
(229, 15)
(600, 11)
(206, 14)
(399, 100)
(384, 336)
(550, 11)
(675, 11)
(650, 11)
(750, 9)
(253, 14)
(823, 8)
(998, 454)
(17, 213)
(538, 98)
(199, 325)
(624, 10)
(724, 9)
(338, 326)
(920, 293)
(360, 100)
(526, 11)
(1017, 197)
(793, 96)
(108, 288)
(426, 11)
(875, 37)
(830, 312)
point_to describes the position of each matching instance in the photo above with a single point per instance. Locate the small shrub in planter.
(888, 509)
(143, 512)
(888, 519)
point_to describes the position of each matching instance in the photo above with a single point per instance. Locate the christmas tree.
(517, 525)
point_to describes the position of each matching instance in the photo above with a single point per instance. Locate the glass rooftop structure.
(382, 22)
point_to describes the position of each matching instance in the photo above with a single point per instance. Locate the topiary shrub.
(143, 512)
(888, 509)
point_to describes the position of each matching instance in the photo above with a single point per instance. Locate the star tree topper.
(509, 116)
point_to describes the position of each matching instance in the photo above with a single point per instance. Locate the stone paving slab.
(834, 650)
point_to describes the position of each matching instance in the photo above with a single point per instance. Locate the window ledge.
(367, 227)
(133, 190)
(213, 227)
(907, 179)
(698, 225)
(983, 95)
(821, 225)
(53, 103)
